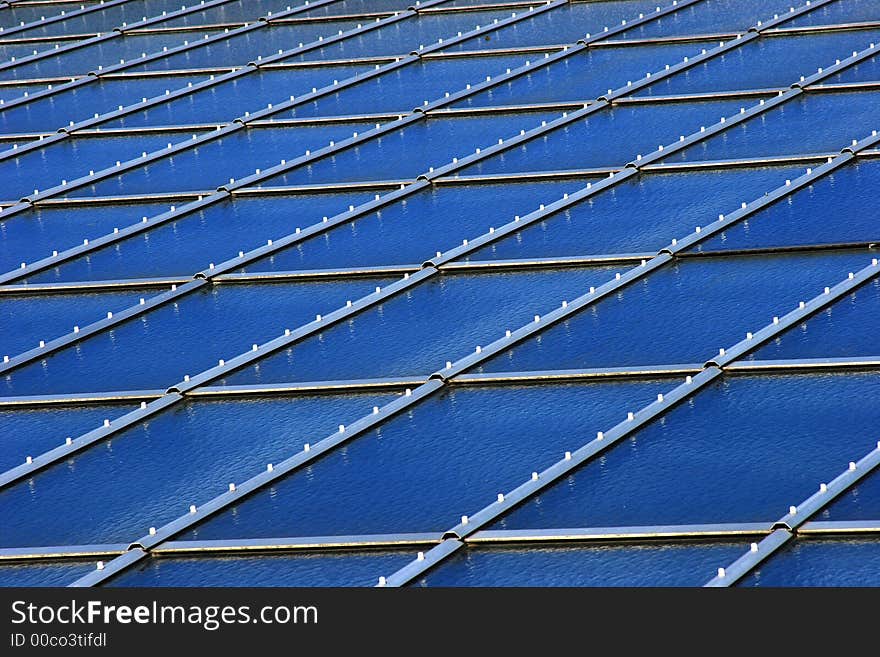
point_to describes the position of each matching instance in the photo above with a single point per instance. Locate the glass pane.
(32, 431)
(763, 63)
(802, 218)
(236, 155)
(191, 243)
(315, 569)
(605, 139)
(695, 307)
(81, 103)
(581, 77)
(861, 502)
(741, 451)
(848, 328)
(710, 17)
(422, 470)
(156, 349)
(670, 564)
(821, 563)
(851, 11)
(413, 230)
(865, 71)
(72, 158)
(149, 474)
(60, 573)
(416, 333)
(641, 214)
(27, 319)
(791, 129)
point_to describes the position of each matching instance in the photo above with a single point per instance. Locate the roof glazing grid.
(468, 277)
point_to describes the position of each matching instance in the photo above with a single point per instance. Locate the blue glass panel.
(861, 502)
(27, 319)
(103, 20)
(849, 11)
(180, 338)
(242, 10)
(80, 103)
(607, 565)
(404, 36)
(9, 92)
(74, 157)
(802, 219)
(848, 328)
(80, 61)
(389, 479)
(405, 88)
(191, 243)
(150, 474)
(212, 163)
(810, 123)
(315, 569)
(228, 100)
(32, 431)
(821, 563)
(741, 451)
(609, 137)
(442, 319)
(581, 77)
(695, 308)
(774, 62)
(865, 71)
(413, 149)
(413, 230)
(565, 24)
(363, 6)
(34, 234)
(13, 16)
(239, 49)
(710, 17)
(19, 50)
(641, 214)
(44, 573)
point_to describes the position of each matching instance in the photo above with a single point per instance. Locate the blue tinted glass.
(782, 61)
(315, 569)
(34, 234)
(241, 10)
(404, 36)
(103, 20)
(413, 230)
(861, 502)
(710, 17)
(640, 214)
(865, 71)
(239, 49)
(413, 149)
(191, 243)
(9, 92)
(848, 328)
(802, 219)
(821, 563)
(388, 480)
(80, 61)
(563, 25)
(404, 88)
(442, 319)
(80, 103)
(59, 573)
(606, 138)
(791, 128)
(223, 102)
(841, 11)
(741, 451)
(32, 431)
(696, 307)
(237, 155)
(606, 565)
(204, 327)
(72, 158)
(27, 319)
(580, 77)
(150, 474)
